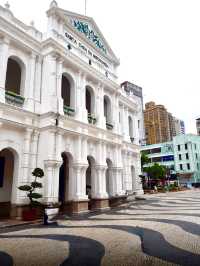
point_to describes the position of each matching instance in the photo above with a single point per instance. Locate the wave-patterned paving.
(164, 229)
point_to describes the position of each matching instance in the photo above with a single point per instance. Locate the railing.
(68, 110)
(109, 126)
(14, 98)
(92, 119)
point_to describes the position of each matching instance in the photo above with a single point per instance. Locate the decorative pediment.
(87, 29)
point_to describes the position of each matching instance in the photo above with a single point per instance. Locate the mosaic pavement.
(162, 230)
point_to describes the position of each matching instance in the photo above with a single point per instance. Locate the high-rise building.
(198, 126)
(179, 126)
(176, 126)
(156, 121)
(160, 125)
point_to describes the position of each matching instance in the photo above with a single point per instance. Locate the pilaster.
(77, 183)
(34, 151)
(4, 48)
(49, 97)
(26, 156)
(99, 182)
(29, 91)
(81, 112)
(51, 181)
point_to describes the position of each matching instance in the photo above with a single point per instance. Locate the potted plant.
(33, 196)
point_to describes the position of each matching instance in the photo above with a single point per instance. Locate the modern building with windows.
(181, 156)
(61, 109)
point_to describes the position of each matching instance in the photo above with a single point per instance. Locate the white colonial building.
(61, 109)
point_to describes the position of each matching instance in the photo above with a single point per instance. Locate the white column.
(38, 85)
(119, 184)
(49, 82)
(139, 189)
(77, 183)
(116, 114)
(135, 129)
(26, 155)
(51, 145)
(51, 182)
(81, 112)
(99, 182)
(101, 120)
(29, 91)
(34, 151)
(125, 124)
(4, 48)
(59, 85)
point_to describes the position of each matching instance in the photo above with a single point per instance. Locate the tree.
(157, 171)
(144, 159)
(30, 189)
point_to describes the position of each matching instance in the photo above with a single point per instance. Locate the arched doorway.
(90, 172)
(109, 177)
(64, 175)
(14, 75)
(7, 164)
(133, 178)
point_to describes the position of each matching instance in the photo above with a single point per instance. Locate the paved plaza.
(164, 229)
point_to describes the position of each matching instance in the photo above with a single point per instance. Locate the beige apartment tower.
(156, 120)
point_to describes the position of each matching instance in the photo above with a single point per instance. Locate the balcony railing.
(109, 126)
(92, 119)
(14, 98)
(68, 110)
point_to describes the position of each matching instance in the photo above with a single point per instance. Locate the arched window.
(89, 100)
(68, 94)
(108, 112)
(66, 90)
(14, 75)
(90, 104)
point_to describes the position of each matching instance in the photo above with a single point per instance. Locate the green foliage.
(144, 159)
(36, 184)
(38, 172)
(34, 195)
(25, 188)
(31, 189)
(156, 171)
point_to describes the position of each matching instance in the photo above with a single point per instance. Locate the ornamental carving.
(89, 33)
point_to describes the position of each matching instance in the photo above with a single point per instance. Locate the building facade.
(180, 156)
(136, 91)
(61, 109)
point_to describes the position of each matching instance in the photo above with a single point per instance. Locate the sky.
(157, 41)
